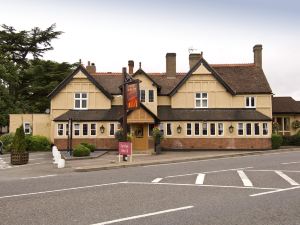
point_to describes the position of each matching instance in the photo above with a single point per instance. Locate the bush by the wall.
(292, 140)
(37, 143)
(7, 140)
(89, 146)
(276, 141)
(81, 151)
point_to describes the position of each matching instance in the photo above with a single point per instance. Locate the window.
(93, 129)
(27, 128)
(220, 129)
(142, 95)
(169, 129)
(265, 129)
(212, 129)
(85, 129)
(250, 102)
(151, 96)
(204, 129)
(286, 124)
(111, 129)
(201, 100)
(189, 129)
(240, 129)
(60, 129)
(150, 130)
(248, 129)
(256, 128)
(76, 129)
(197, 129)
(80, 101)
(161, 128)
(67, 129)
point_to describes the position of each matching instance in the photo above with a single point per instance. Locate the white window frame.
(60, 129)
(210, 129)
(187, 129)
(93, 129)
(250, 100)
(258, 129)
(29, 128)
(67, 129)
(74, 129)
(150, 129)
(207, 127)
(162, 128)
(201, 99)
(87, 126)
(149, 95)
(250, 129)
(219, 129)
(115, 126)
(195, 129)
(171, 129)
(80, 100)
(243, 129)
(263, 129)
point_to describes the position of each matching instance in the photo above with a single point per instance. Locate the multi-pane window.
(204, 129)
(220, 129)
(111, 129)
(27, 128)
(150, 129)
(240, 129)
(197, 129)
(151, 96)
(142, 95)
(248, 129)
(265, 129)
(85, 129)
(67, 129)
(80, 101)
(212, 129)
(169, 129)
(201, 100)
(256, 128)
(93, 129)
(76, 129)
(60, 129)
(250, 102)
(188, 129)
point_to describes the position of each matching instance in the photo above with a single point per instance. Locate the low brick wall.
(217, 143)
(100, 143)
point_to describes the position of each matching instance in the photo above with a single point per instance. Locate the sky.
(109, 33)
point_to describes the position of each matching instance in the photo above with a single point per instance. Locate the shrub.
(157, 135)
(292, 140)
(19, 142)
(119, 135)
(37, 143)
(89, 146)
(81, 151)
(276, 141)
(7, 140)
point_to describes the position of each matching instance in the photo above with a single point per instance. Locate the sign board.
(125, 148)
(133, 95)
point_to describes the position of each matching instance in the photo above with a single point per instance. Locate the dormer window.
(80, 101)
(250, 102)
(201, 100)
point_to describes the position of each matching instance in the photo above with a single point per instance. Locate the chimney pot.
(194, 58)
(130, 66)
(171, 64)
(257, 50)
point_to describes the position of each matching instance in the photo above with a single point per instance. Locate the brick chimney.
(130, 66)
(171, 64)
(194, 58)
(91, 68)
(257, 50)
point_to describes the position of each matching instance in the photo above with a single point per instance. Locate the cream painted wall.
(163, 100)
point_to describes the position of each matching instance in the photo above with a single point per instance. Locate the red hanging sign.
(133, 98)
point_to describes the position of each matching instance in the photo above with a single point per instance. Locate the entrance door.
(140, 137)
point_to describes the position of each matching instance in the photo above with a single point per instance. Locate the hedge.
(37, 143)
(276, 141)
(81, 151)
(292, 140)
(89, 146)
(7, 140)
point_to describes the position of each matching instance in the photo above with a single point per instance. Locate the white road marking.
(60, 190)
(204, 185)
(271, 192)
(156, 180)
(290, 171)
(287, 178)
(214, 171)
(31, 164)
(246, 181)
(26, 178)
(3, 164)
(144, 215)
(200, 178)
(289, 163)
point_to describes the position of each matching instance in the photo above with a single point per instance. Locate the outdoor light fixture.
(179, 129)
(102, 129)
(231, 129)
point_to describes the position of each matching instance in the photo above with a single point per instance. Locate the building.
(286, 111)
(211, 106)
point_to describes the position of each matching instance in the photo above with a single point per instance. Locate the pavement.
(250, 189)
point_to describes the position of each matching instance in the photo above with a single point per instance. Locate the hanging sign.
(133, 98)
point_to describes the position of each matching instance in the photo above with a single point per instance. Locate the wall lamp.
(179, 129)
(102, 129)
(231, 128)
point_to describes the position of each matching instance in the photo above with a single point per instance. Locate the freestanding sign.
(125, 149)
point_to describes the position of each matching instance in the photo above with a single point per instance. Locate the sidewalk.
(110, 160)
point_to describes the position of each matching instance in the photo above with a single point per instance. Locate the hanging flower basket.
(296, 124)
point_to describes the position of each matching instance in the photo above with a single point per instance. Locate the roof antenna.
(192, 49)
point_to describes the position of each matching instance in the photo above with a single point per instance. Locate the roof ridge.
(232, 64)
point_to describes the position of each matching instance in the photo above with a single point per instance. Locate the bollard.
(61, 163)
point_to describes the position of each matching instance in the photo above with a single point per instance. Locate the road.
(261, 190)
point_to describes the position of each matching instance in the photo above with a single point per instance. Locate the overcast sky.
(111, 32)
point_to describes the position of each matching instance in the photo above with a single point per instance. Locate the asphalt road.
(261, 190)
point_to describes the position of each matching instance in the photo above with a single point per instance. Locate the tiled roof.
(166, 113)
(285, 105)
